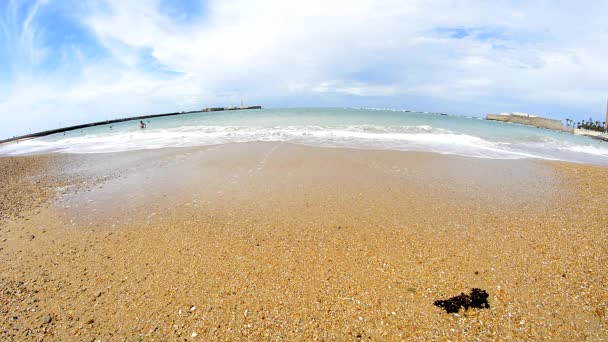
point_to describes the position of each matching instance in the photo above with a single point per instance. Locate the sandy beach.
(274, 241)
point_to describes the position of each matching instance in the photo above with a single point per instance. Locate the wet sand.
(284, 242)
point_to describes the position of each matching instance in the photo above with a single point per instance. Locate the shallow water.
(355, 128)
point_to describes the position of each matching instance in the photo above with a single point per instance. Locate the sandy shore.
(284, 242)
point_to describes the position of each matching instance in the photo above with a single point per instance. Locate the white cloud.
(537, 54)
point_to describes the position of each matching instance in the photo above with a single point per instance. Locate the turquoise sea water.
(354, 128)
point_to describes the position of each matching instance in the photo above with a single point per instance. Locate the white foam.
(408, 138)
(588, 149)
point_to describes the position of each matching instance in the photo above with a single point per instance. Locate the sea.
(328, 127)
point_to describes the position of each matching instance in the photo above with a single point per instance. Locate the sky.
(65, 62)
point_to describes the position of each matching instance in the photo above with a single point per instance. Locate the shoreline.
(283, 241)
(176, 149)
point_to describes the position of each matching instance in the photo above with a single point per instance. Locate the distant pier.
(106, 122)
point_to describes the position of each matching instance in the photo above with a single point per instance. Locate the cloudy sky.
(67, 62)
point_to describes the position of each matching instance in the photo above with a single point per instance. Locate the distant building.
(525, 115)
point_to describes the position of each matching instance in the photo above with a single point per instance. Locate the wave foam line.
(407, 138)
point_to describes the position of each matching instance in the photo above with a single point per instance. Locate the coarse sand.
(272, 241)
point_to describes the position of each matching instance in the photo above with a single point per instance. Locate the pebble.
(46, 319)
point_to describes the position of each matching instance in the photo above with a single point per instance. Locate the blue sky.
(67, 62)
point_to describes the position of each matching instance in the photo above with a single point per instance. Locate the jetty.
(107, 122)
(527, 119)
(540, 122)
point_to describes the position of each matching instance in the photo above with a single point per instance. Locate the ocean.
(332, 127)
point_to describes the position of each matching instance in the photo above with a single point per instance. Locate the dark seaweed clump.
(477, 299)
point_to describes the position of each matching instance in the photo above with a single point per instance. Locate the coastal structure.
(553, 124)
(527, 119)
(219, 109)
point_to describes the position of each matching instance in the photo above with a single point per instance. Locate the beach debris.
(454, 304)
(477, 299)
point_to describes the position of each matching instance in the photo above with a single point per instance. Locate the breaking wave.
(405, 138)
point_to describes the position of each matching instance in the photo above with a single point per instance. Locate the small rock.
(194, 334)
(46, 319)
(90, 321)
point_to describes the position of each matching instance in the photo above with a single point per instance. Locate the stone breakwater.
(552, 124)
(528, 120)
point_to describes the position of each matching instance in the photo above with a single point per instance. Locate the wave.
(588, 149)
(406, 138)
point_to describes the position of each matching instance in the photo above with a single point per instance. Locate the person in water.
(142, 124)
